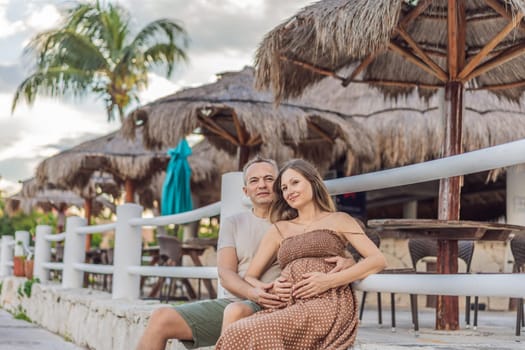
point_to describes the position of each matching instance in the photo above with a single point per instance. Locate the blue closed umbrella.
(176, 190)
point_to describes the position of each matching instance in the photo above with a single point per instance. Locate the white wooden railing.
(127, 267)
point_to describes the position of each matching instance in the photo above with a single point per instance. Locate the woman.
(322, 311)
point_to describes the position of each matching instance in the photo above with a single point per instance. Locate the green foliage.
(22, 221)
(21, 314)
(209, 228)
(1, 286)
(25, 289)
(96, 239)
(93, 51)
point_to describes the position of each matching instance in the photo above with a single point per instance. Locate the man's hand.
(340, 263)
(313, 283)
(283, 288)
(267, 300)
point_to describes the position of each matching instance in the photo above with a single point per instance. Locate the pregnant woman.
(306, 233)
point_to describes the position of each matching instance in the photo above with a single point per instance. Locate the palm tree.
(93, 52)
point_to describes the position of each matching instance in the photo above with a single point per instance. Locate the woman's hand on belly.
(283, 288)
(313, 283)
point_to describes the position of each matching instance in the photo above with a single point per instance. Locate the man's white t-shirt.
(244, 232)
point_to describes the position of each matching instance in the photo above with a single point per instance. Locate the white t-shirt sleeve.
(226, 234)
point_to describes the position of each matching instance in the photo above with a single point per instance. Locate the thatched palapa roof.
(111, 153)
(33, 195)
(397, 46)
(125, 160)
(230, 113)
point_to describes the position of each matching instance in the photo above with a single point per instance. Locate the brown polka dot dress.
(327, 321)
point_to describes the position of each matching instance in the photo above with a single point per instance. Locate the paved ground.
(496, 330)
(21, 335)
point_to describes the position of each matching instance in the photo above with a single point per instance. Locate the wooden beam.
(497, 61)
(360, 68)
(474, 62)
(211, 125)
(500, 86)
(242, 134)
(312, 68)
(456, 37)
(416, 11)
(422, 55)
(254, 140)
(414, 59)
(406, 84)
(314, 127)
(502, 11)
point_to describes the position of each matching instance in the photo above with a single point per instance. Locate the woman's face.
(296, 189)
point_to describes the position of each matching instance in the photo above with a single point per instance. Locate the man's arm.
(230, 279)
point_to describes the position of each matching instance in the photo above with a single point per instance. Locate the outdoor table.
(447, 230)
(194, 251)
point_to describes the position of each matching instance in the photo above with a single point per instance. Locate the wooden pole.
(88, 208)
(129, 187)
(244, 156)
(447, 308)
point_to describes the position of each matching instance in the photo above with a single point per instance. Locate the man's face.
(259, 183)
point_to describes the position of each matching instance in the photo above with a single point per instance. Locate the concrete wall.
(86, 317)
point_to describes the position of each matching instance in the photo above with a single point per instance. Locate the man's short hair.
(258, 159)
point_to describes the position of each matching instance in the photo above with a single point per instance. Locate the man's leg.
(165, 323)
(196, 324)
(234, 312)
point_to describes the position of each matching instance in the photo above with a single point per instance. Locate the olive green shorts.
(205, 320)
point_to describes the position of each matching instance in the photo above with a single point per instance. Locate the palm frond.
(53, 82)
(164, 53)
(71, 49)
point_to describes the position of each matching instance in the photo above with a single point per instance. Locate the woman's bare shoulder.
(347, 223)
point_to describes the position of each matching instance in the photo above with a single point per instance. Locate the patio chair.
(374, 237)
(517, 246)
(422, 248)
(170, 254)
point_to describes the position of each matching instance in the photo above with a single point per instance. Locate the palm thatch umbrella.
(127, 161)
(398, 46)
(409, 131)
(236, 118)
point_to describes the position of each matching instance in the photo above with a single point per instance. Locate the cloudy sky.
(223, 34)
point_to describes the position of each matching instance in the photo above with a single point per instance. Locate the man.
(199, 324)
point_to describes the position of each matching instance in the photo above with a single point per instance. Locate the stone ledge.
(88, 317)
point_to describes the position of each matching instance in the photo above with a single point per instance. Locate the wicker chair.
(422, 248)
(517, 246)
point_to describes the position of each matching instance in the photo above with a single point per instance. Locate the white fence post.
(232, 202)
(128, 252)
(21, 241)
(42, 252)
(6, 256)
(232, 196)
(74, 252)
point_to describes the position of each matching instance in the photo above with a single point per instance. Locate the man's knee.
(169, 322)
(236, 311)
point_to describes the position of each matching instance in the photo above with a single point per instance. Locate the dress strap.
(278, 230)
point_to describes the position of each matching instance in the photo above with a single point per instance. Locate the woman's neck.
(308, 213)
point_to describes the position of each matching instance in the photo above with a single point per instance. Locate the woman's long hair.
(280, 209)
